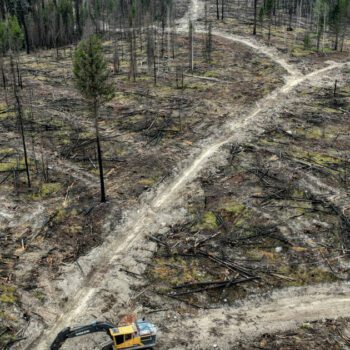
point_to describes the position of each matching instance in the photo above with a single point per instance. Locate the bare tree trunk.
(4, 79)
(336, 41)
(208, 43)
(335, 88)
(99, 151)
(342, 40)
(154, 58)
(190, 34)
(116, 60)
(20, 119)
(255, 16)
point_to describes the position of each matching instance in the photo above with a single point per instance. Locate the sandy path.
(237, 131)
(284, 310)
(102, 263)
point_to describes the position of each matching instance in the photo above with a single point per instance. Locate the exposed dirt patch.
(325, 334)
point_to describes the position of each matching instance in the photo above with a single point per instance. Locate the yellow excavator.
(135, 335)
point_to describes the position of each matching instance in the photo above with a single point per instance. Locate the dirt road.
(281, 311)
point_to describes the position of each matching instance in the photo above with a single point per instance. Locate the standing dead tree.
(191, 45)
(19, 110)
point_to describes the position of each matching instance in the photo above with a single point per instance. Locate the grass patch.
(316, 157)
(177, 271)
(211, 74)
(299, 51)
(208, 221)
(4, 151)
(46, 190)
(234, 207)
(5, 111)
(39, 295)
(146, 182)
(331, 110)
(236, 213)
(259, 254)
(305, 275)
(12, 164)
(63, 214)
(7, 294)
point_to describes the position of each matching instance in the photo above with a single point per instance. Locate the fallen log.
(225, 284)
(229, 264)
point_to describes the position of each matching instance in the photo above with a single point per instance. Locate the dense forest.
(52, 23)
(48, 24)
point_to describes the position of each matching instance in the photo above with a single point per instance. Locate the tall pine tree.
(92, 80)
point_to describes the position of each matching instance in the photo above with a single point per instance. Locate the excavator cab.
(138, 335)
(124, 337)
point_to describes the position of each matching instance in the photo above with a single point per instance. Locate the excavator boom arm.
(78, 331)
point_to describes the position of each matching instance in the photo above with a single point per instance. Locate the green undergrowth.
(46, 190)
(177, 270)
(7, 151)
(208, 221)
(39, 295)
(5, 112)
(319, 158)
(305, 275)
(13, 163)
(146, 181)
(62, 214)
(304, 51)
(7, 294)
(233, 212)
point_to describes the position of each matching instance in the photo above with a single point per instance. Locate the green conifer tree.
(92, 80)
(14, 34)
(337, 19)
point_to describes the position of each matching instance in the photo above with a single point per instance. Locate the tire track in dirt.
(280, 311)
(150, 215)
(237, 127)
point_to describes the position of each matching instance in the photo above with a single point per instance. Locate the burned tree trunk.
(20, 118)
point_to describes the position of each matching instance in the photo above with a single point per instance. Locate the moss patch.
(299, 51)
(177, 271)
(46, 190)
(7, 294)
(305, 275)
(316, 157)
(235, 212)
(234, 207)
(4, 151)
(208, 221)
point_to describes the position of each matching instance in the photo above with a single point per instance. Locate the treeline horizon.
(34, 24)
(315, 17)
